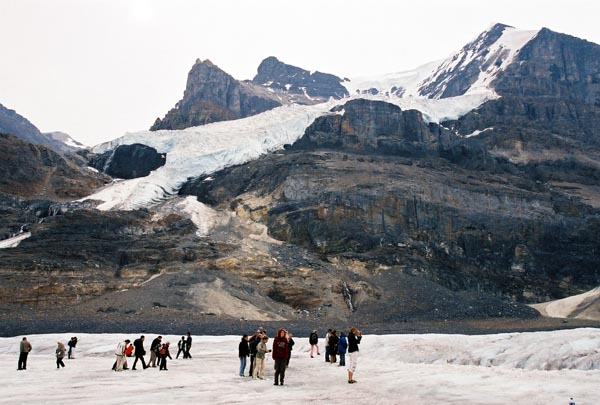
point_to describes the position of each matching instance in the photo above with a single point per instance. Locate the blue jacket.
(342, 344)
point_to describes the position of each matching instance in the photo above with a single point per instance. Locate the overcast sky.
(99, 68)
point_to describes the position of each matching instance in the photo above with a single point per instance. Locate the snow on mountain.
(194, 151)
(66, 139)
(449, 88)
(442, 90)
(532, 368)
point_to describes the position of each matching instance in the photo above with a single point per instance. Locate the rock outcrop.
(277, 75)
(129, 161)
(452, 213)
(550, 104)
(212, 95)
(13, 123)
(38, 172)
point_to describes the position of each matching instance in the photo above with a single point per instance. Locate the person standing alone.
(313, 339)
(25, 348)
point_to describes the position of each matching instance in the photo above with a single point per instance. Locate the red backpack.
(129, 350)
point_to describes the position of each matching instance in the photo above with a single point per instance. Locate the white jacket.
(121, 349)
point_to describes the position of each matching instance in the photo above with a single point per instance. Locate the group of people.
(338, 346)
(256, 348)
(61, 351)
(159, 352)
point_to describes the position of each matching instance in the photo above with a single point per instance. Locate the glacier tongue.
(192, 152)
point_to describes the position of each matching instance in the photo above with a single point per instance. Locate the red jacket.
(280, 347)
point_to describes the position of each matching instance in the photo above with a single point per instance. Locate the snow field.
(392, 369)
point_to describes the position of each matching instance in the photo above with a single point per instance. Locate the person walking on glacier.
(120, 353)
(61, 351)
(140, 352)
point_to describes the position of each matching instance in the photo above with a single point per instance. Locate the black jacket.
(244, 349)
(353, 342)
(139, 347)
(155, 346)
(253, 343)
(313, 338)
(333, 342)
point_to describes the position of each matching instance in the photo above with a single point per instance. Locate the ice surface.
(205, 149)
(529, 368)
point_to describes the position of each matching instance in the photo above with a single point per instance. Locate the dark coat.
(138, 344)
(313, 339)
(155, 346)
(244, 349)
(333, 343)
(281, 349)
(253, 343)
(353, 342)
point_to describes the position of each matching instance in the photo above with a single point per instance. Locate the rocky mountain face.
(128, 161)
(277, 75)
(550, 104)
(64, 141)
(373, 216)
(212, 95)
(442, 209)
(13, 123)
(38, 172)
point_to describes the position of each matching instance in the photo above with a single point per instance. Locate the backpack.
(163, 351)
(129, 350)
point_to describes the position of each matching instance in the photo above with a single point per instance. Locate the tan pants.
(120, 362)
(259, 368)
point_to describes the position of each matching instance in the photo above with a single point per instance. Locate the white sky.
(98, 68)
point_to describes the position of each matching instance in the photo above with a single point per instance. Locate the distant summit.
(277, 75)
(212, 95)
(13, 123)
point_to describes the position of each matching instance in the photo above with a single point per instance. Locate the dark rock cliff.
(452, 213)
(275, 74)
(13, 123)
(36, 171)
(550, 104)
(129, 161)
(212, 95)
